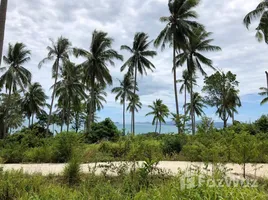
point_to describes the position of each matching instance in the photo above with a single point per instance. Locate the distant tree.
(197, 105)
(139, 61)
(222, 93)
(69, 90)
(134, 106)
(34, 101)
(178, 28)
(95, 67)
(59, 53)
(125, 92)
(159, 111)
(10, 118)
(198, 43)
(261, 13)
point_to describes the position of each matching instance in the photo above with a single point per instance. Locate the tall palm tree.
(3, 11)
(178, 28)
(198, 43)
(159, 111)
(124, 92)
(59, 53)
(198, 104)
(139, 62)
(261, 13)
(34, 101)
(264, 92)
(69, 88)
(134, 106)
(95, 67)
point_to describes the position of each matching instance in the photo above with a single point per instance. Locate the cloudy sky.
(34, 22)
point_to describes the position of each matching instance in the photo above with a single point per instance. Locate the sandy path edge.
(260, 170)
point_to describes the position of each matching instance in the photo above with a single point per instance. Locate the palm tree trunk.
(131, 122)
(133, 119)
(185, 101)
(53, 95)
(3, 11)
(266, 77)
(156, 126)
(175, 79)
(32, 119)
(5, 128)
(192, 108)
(68, 119)
(160, 127)
(91, 107)
(29, 118)
(233, 118)
(124, 120)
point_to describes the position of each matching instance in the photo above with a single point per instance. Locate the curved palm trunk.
(69, 113)
(156, 126)
(175, 80)
(53, 95)
(233, 118)
(192, 107)
(3, 11)
(133, 117)
(124, 117)
(160, 127)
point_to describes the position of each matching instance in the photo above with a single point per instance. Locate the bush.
(118, 150)
(65, 144)
(43, 154)
(105, 130)
(72, 172)
(173, 144)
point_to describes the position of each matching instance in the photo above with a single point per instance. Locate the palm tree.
(199, 42)
(95, 67)
(69, 89)
(264, 92)
(134, 106)
(186, 86)
(159, 111)
(124, 92)
(15, 74)
(262, 13)
(34, 101)
(3, 11)
(178, 28)
(139, 62)
(198, 104)
(59, 53)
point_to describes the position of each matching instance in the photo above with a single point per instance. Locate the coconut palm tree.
(16, 76)
(69, 89)
(95, 67)
(186, 86)
(264, 92)
(198, 104)
(124, 92)
(261, 13)
(139, 61)
(159, 111)
(34, 101)
(198, 43)
(3, 11)
(178, 28)
(134, 106)
(58, 53)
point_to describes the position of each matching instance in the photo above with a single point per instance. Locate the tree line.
(79, 89)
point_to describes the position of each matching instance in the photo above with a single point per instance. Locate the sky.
(34, 22)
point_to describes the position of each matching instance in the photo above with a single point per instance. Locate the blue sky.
(34, 22)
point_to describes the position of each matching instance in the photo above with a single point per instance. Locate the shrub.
(105, 130)
(118, 149)
(173, 144)
(65, 144)
(43, 154)
(72, 172)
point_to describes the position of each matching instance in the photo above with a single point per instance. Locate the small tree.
(244, 149)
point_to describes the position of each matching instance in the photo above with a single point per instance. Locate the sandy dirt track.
(260, 170)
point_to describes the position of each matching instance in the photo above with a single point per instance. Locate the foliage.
(105, 130)
(72, 171)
